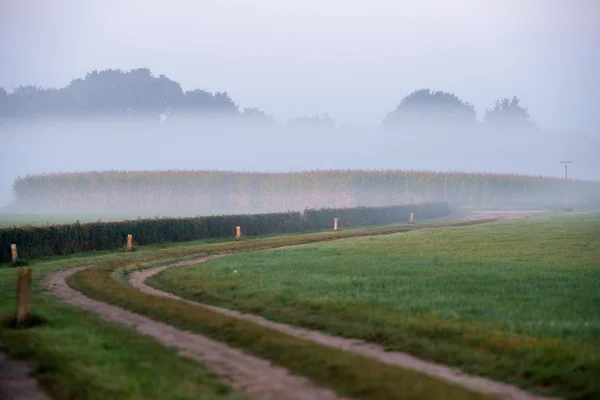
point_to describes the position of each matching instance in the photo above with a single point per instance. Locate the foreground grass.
(76, 355)
(348, 374)
(517, 301)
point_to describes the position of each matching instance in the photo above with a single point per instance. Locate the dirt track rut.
(254, 377)
(480, 384)
(16, 382)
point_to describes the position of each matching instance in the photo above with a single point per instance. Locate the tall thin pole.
(566, 182)
(445, 178)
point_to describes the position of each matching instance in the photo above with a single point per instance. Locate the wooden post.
(238, 233)
(335, 224)
(13, 251)
(129, 242)
(23, 295)
(412, 215)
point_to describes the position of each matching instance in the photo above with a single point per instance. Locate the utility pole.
(566, 183)
(445, 179)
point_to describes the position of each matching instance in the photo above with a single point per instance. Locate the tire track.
(16, 382)
(252, 376)
(480, 384)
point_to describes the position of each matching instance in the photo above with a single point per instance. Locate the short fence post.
(13, 251)
(335, 224)
(129, 242)
(238, 233)
(24, 295)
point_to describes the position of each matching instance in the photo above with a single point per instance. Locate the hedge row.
(35, 242)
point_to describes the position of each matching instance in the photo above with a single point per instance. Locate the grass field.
(517, 301)
(76, 355)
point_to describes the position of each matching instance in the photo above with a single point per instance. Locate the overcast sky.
(352, 59)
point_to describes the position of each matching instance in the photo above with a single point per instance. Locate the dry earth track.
(476, 383)
(16, 382)
(250, 375)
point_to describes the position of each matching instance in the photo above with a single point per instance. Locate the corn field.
(206, 192)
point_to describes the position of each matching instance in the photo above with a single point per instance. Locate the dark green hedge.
(35, 242)
(365, 216)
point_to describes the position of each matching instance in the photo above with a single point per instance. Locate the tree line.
(114, 92)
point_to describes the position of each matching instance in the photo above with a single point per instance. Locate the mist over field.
(231, 144)
(76, 144)
(441, 90)
(409, 158)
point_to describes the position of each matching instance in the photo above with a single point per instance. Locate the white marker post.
(13, 252)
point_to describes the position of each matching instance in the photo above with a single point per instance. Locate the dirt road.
(16, 382)
(479, 384)
(501, 215)
(255, 377)
(252, 376)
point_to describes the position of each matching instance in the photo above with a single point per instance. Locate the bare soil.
(16, 382)
(480, 384)
(500, 215)
(254, 377)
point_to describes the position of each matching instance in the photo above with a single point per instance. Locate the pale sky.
(354, 60)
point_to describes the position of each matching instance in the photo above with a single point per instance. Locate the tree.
(256, 115)
(117, 93)
(33, 101)
(508, 113)
(3, 102)
(426, 110)
(315, 122)
(203, 102)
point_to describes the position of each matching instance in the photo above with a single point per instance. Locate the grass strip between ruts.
(508, 301)
(348, 374)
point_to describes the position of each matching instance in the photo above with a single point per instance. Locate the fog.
(512, 83)
(61, 145)
(352, 60)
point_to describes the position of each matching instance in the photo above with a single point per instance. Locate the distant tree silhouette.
(324, 122)
(256, 115)
(4, 102)
(201, 101)
(508, 113)
(425, 109)
(113, 92)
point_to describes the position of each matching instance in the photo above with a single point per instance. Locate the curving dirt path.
(500, 215)
(480, 384)
(254, 377)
